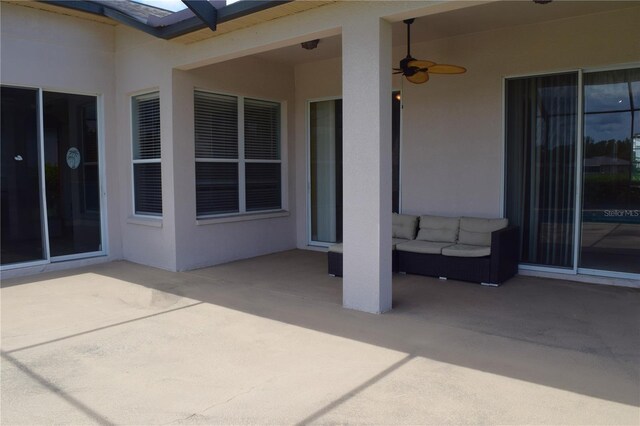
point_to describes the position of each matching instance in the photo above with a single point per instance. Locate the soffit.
(62, 11)
(499, 14)
(271, 14)
(469, 20)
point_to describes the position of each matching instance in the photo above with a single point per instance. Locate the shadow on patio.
(575, 338)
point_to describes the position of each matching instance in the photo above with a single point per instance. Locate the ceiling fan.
(417, 71)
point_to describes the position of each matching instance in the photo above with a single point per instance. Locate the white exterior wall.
(452, 153)
(212, 241)
(144, 63)
(313, 81)
(150, 241)
(452, 135)
(61, 53)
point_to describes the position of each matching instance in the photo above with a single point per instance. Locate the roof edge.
(170, 26)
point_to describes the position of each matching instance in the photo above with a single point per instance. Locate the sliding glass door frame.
(44, 221)
(310, 240)
(589, 271)
(575, 269)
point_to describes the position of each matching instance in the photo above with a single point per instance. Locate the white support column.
(366, 79)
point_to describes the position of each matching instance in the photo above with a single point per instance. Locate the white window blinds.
(147, 176)
(236, 171)
(261, 130)
(216, 125)
(146, 122)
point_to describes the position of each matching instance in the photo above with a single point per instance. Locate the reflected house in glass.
(189, 138)
(605, 165)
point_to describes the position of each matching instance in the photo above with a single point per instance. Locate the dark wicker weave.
(501, 265)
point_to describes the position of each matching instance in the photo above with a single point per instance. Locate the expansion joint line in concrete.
(35, 345)
(355, 391)
(98, 418)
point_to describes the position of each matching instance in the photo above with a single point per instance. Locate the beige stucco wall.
(139, 70)
(452, 142)
(313, 81)
(452, 126)
(61, 53)
(452, 157)
(212, 241)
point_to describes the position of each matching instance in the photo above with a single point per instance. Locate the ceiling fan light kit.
(416, 70)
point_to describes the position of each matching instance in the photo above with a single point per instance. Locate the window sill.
(241, 217)
(145, 221)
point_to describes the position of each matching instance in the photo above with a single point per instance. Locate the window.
(238, 159)
(147, 177)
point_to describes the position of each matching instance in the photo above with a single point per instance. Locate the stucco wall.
(61, 53)
(452, 157)
(452, 143)
(452, 126)
(314, 81)
(207, 242)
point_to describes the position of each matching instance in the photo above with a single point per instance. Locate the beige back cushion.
(404, 226)
(438, 229)
(477, 231)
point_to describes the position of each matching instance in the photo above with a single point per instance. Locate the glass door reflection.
(71, 174)
(22, 234)
(325, 157)
(610, 239)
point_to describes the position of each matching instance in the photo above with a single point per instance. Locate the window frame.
(241, 161)
(146, 94)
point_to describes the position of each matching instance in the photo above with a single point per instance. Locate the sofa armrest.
(505, 253)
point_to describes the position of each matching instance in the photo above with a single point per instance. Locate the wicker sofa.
(460, 248)
(404, 230)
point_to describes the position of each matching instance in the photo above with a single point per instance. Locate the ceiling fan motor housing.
(417, 71)
(406, 69)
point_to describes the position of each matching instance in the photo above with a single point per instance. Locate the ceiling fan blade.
(419, 77)
(398, 72)
(421, 64)
(446, 69)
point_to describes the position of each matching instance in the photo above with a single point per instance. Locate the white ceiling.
(484, 17)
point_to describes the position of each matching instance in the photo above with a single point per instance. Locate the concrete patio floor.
(266, 341)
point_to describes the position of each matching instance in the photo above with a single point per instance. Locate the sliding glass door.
(51, 203)
(71, 174)
(22, 218)
(541, 134)
(325, 171)
(610, 238)
(578, 206)
(325, 168)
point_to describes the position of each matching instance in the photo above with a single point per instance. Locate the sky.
(173, 5)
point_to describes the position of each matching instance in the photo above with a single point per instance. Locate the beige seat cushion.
(425, 247)
(477, 231)
(396, 241)
(438, 229)
(404, 226)
(336, 248)
(466, 250)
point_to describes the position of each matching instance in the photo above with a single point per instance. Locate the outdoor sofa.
(459, 248)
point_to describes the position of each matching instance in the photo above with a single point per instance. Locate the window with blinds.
(147, 177)
(236, 171)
